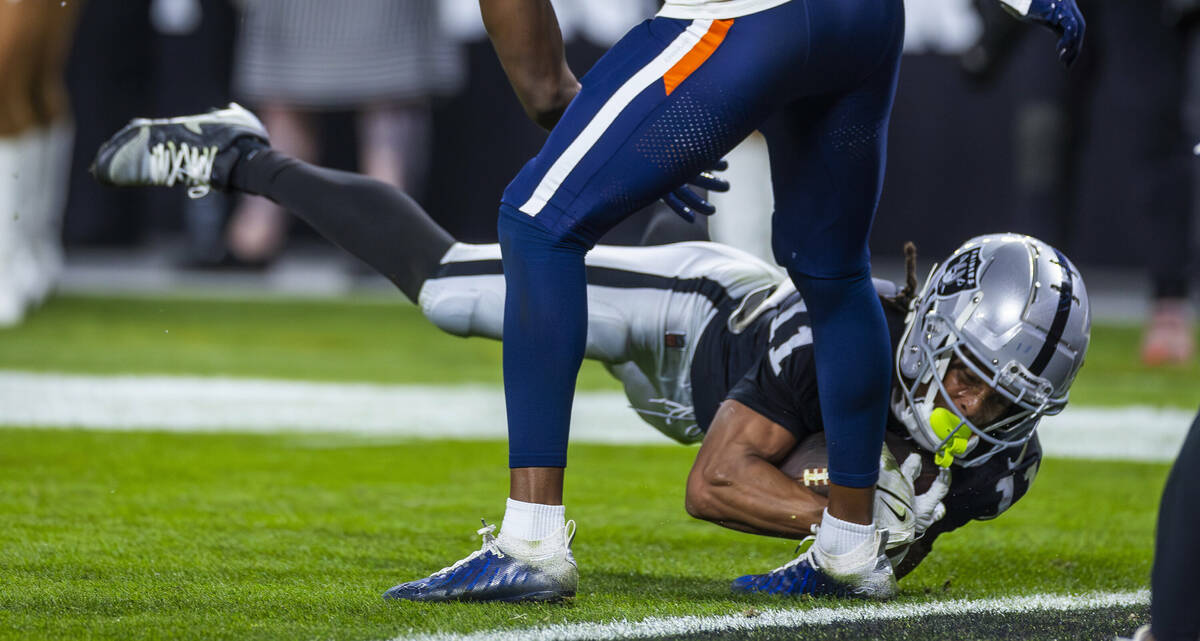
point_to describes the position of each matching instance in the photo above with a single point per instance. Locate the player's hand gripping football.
(928, 506)
(1060, 16)
(894, 505)
(687, 203)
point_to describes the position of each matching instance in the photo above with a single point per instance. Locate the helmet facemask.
(934, 338)
(915, 399)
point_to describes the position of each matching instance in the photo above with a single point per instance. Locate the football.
(808, 462)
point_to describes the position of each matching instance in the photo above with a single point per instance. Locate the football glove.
(928, 506)
(687, 203)
(894, 506)
(1060, 16)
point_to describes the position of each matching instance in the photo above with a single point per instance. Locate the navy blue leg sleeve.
(546, 307)
(827, 165)
(665, 102)
(853, 357)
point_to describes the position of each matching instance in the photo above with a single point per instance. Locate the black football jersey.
(769, 368)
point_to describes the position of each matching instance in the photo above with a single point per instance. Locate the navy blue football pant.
(667, 101)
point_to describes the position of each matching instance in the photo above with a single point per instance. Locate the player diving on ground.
(713, 345)
(667, 101)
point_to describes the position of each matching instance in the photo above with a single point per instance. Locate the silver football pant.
(647, 307)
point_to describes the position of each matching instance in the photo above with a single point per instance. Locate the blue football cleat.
(502, 570)
(797, 577)
(864, 573)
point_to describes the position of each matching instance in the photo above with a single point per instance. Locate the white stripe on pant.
(626, 325)
(608, 113)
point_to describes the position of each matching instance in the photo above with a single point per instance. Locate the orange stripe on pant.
(696, 57)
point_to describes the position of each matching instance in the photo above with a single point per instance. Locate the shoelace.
(170, 163)
(676, 411)
(801, 552)
(489, 544)
(569, 533)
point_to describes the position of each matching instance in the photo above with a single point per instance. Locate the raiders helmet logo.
(961, 274)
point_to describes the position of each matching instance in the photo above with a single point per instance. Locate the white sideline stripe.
(192, 404)
(666, 626)
(196, 404)
(570, 157)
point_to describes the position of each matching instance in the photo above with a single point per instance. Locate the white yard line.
(666, 626)
(177, 403)
(195, 404)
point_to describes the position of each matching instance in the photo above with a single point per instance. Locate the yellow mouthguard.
(944, 423)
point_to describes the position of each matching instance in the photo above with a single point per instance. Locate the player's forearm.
(529, 43)
(735, 481)
(752, 495)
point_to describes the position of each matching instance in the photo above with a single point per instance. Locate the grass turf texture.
(147, 535)
(393, 343)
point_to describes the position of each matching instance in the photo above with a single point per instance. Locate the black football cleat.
(198, 151)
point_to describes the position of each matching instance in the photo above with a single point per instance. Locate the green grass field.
(206, 536)
(143, 536)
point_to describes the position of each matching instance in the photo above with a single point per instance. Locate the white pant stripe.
(626, 326)
(612, 108)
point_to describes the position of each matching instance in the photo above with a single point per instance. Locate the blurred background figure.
(110, 74)
(1184, 16)
(382, 60)
(1147, 48)
(150, 58)
(1095, 160)
(194, 39)
(35, 138)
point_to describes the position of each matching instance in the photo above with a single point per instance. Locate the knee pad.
(470, 306)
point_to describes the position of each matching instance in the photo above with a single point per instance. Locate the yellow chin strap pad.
(944, 423)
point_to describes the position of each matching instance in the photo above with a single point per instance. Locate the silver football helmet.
(1015, 311)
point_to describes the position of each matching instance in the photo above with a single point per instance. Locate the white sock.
(532, 521)
(836, 537)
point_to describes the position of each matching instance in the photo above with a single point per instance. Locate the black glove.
(686, 202)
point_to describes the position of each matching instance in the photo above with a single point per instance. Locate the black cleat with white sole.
(197, 151)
